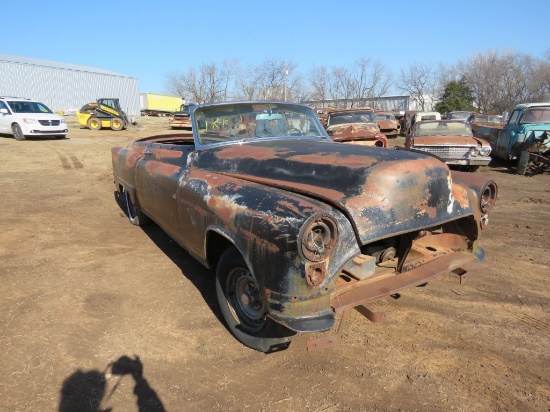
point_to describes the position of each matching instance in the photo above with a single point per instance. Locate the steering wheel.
(292, 131)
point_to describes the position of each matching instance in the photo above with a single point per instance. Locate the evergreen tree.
(457, 96)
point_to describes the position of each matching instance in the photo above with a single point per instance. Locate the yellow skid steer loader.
(106, 112)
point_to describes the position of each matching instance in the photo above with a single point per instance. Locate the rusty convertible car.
(299, 228)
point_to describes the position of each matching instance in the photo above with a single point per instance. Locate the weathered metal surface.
(387, 123)
(355, 126)
(404, 210)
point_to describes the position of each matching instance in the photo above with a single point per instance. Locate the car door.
(5, 119)
(503, 143)
(157, 176)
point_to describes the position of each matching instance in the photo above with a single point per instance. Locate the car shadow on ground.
(86, 390)
(202, 278)
(504, 166)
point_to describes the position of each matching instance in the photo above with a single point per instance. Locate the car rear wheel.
(17, 132)
(135, 215)
(94, 123)
(117, 124)
(243, 306)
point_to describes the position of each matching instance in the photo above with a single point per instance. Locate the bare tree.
(371, 80)
(421, 83)
(319, 81)
(247, 83)
(502, 80)
(341, 84)
(211, 82)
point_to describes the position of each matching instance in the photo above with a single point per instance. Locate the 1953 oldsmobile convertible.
(300, 228)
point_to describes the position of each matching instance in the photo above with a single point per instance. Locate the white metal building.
(65, 86)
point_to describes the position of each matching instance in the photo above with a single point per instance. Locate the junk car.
(387, 123)
(522, 133)
(299, 228)
(452, 141)
(356, 126)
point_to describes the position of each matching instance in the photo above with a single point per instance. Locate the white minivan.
(26, 118)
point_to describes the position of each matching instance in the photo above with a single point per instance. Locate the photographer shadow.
(85, 391)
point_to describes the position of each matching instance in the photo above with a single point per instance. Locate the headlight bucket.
(317, 238)
(474, 151)
(488, 197)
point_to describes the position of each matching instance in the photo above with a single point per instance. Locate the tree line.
(494, 81)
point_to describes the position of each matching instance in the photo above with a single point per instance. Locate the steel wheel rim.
(245, 300)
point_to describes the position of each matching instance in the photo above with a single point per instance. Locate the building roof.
(49, 63)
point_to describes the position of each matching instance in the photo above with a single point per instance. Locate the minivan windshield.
(18, 106)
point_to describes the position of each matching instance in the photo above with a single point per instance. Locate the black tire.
(17, 132)
(117, 124)
(523, 162)
(94, 123)
(135, 215)
(244, 312)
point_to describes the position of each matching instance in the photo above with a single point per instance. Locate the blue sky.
(144, 40)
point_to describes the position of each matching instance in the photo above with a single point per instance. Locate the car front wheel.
(243, 306)
(17, 132)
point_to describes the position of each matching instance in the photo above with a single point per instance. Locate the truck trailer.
(158, 104)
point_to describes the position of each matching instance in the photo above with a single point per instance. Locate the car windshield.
(225, 123)
(459, 115)
(358, 116)
(384, 116)
(443, 129)
(487, 118)
(28, 107)
(536, 115)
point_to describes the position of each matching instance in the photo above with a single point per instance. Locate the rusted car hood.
(352, 130)
(383, 191)
(386, 124)
(449, 141)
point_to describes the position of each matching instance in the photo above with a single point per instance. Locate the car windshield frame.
(442, 128)
(228, 123)
(384, 116)
(351, 116)
(535, 115)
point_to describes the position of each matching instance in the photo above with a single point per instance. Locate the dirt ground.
(87, 300)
